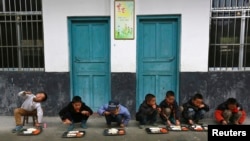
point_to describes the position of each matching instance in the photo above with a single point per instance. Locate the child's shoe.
(141, 126)
(17, 129)
(71, 127)
(154, 124)
(83, 124)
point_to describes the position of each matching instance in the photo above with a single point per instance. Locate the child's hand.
(37, 125)
(177, 122)
(224, 122)
(122, 125)
(168, 123)
(154, 106)
(201, 106)
(85, 113)
(190, 122)
(106, 113)
(28, 92)
(67, 121)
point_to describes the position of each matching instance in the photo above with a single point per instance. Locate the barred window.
(229, 48)
(21, 35)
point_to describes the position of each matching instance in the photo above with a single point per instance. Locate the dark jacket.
(68, 112)
(145, 110)
(223, 106)
(189, 104)
(175, 110)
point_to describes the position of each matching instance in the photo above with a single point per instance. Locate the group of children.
(77, 111)
(169, 111)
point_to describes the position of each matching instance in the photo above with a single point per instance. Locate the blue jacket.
(123, 111)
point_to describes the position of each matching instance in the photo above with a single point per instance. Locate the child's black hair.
(45, 95)
(232, 101)
(149, 96)
(197, 96)
(76, 99)
(169, 93)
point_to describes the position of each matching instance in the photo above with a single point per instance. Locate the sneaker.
(71, 127)
(17, 129)
(141, 126)
(154, 124)
(84, 126)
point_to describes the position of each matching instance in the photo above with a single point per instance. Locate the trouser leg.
(18, 113)
(227, 114)
(235, 117)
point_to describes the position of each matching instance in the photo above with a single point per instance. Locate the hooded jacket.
(223, 106)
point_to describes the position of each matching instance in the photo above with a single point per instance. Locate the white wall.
(194, 31)
(194, 28)
(55, 13)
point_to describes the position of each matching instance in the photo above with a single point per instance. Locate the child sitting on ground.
(115, 112)
(230, 112)
(195, 109)
(170, 111)
(76, 111)
(148, 111)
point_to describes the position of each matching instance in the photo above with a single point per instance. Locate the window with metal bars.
(21, 35)
(229, 48)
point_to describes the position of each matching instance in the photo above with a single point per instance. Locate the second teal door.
(90, 60)
(157, 56)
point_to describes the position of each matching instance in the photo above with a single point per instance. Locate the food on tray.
(79, 134)
(31, 129)
(27, 132)
(184, 128)
(163, 130)
(71, 135)
(37, 131)
(113, 131)
(121, 132)
(197, 127)
(73, 132)
(175, 127)
(155, 130)
(205, 128)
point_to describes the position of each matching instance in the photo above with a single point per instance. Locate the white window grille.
(229, 35)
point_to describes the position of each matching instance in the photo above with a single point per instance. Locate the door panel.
(90, 66)
(157, 70)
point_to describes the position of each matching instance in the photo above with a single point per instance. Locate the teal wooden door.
(90, 60)
(157, 56)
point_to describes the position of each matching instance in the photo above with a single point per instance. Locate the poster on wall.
(124, 19)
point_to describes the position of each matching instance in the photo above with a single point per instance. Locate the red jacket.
(220, 109)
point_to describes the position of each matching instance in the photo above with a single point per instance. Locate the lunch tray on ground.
(114, 132)
(73, 134)
(156, 130)
(29, 132)
(178, 128)
(198, 128)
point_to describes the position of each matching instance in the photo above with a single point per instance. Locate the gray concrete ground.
(94, 132)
